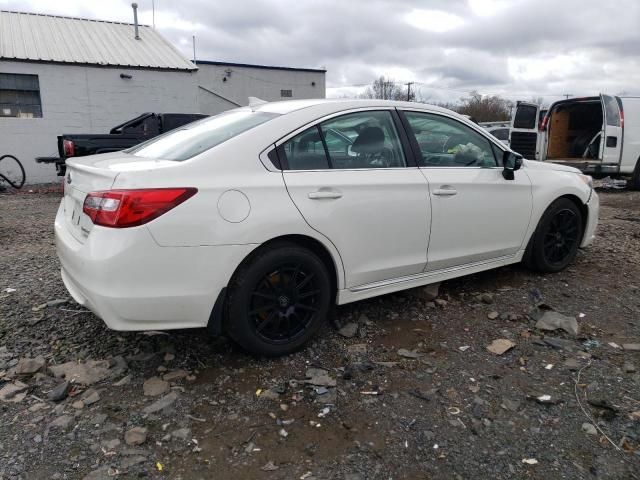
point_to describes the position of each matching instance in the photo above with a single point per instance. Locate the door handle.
(445, 191)
(322, 194)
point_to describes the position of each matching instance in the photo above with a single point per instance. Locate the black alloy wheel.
(561, 236)
(283, 303)
(278, 299)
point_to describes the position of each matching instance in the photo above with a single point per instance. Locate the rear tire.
(635, 178)
(555, 242)
(278, 300)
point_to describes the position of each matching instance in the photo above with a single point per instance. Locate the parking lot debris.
(412, 354)
(269, 394)
(319, 377)
(90, 396)
(161, 403)
(614, 345)
(530, 461)
(591, 344)
(13, 392)
(126, 380)
(60, 392)
(29, 366)
(440, 302)
(500, 346)
(86, 373)
(357, 349)
(608, 183)
(427, 293)
(10, 290)
(571, 364)
(181, 434)
(349, 330)
(633, 347)
(269, 467)
(283, 433)
(551, 321)
(589, 429)
(155, 386)
(415, 392)
(464, 348)
(486, 298)
(493, 315)
(174, 375)
(135, 436)
(629, 367)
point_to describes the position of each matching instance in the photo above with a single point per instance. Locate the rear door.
(352, 180)
(611, 147)
(524, 130)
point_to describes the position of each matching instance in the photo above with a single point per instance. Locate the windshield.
(193, 139)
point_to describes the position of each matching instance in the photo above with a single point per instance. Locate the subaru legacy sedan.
(255, 222)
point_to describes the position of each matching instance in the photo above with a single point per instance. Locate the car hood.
(537, 165)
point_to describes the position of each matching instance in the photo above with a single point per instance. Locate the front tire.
(278, 300)
(555, 242)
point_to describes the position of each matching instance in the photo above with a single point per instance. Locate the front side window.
(194, 138)
(355, 140)
(445, 142)
(20, 96)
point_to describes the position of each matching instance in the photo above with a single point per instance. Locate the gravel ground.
(407, 389)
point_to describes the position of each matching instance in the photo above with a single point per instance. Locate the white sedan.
(255, 222)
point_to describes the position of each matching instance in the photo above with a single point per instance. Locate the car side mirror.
(511, 162)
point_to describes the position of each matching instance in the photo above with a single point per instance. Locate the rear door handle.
(445, 191)
(322, 194)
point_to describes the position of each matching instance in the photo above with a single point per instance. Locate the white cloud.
(437, 21)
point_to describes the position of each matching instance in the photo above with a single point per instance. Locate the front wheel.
(278, 300)
(555, 242)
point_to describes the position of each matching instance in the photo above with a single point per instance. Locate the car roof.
(289, 106)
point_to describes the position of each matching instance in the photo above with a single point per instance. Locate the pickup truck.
(125, 135)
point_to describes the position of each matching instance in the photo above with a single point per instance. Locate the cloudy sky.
(515, 48)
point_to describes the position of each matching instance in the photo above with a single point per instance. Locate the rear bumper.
(593, 206)
(130, 282)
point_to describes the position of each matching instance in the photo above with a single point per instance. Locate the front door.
(524, 130)
(350, 179)
(611, 146)
(477, 215)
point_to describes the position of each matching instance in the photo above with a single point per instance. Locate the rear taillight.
(543, 124)
(69, 148)
(129, 208)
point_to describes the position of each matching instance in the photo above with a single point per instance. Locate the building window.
(20, 96)
(286, 93)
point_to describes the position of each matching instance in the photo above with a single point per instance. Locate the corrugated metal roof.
(50, 38)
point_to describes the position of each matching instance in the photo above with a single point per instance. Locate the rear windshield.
(195, 138)
(525, 116)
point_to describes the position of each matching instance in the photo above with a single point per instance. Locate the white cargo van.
(599, 135)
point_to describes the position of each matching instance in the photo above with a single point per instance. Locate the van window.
(611, 110)
(525, 116)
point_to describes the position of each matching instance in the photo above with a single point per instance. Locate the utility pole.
(194, 49)
(408, 84)
(567, 95)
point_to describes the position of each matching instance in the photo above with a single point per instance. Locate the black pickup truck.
(125, 135)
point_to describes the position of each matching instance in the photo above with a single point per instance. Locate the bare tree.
(487, 108)
(384, 88)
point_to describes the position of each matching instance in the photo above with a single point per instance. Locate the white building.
(72, 75)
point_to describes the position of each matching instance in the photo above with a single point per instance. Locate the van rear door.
(524, 130)
(611, 147)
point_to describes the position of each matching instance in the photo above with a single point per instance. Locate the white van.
(599, 135)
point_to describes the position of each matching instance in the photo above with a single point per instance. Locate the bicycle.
(11, 172)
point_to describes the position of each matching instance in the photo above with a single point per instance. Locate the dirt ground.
(553, 406)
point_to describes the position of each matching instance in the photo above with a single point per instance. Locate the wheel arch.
(329, 258)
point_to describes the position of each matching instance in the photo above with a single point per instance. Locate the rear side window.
(192, 139)
(526, 116)
(611, 110)
(355, 140)
(500, 133)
